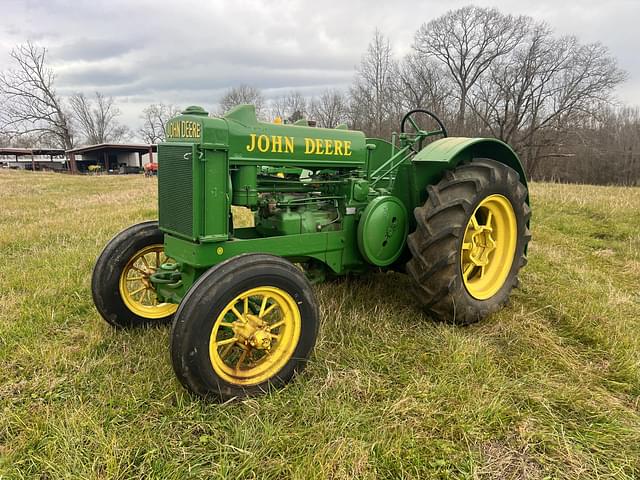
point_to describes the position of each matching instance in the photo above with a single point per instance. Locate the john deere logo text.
(312, 146)
(183, 129)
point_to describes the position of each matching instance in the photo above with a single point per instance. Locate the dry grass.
(548, 388)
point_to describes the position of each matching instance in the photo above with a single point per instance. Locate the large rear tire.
(120, 284)
(470, 241)
(247, 325)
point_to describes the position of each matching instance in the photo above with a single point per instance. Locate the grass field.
(547, 388)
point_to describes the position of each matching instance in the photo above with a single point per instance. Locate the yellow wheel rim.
(255, 336)
(488, 247)
(137, 291)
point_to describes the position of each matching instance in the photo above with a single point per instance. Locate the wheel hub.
(136, 287)
(488, 246)
(482, 244)
(261, 340)
(253, 331)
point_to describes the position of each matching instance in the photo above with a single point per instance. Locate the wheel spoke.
(226, 324)
(236, 312)
(414, 124)
(467, 270)
(482, 268)
(146, 264)
(467, 246)
(489, 219)
(270, 309)
(277, 324)
(251, 360)
(243, 355)
(226, 351)
(263, 305)
(144, 272)
(474, 222)
(246, 305)
(141, 298)
(226, 341)
(135, 292)
(133, 279)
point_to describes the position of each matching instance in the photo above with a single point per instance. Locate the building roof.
(121, 147)
(31, 151)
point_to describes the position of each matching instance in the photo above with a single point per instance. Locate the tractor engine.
(295, 179)
(295, 213)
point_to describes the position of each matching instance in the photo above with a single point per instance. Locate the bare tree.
(422, 83)
(5, 136)
(290, 107)
(373, 104)
(26, 140)
(508, 96)
(615, 142)
(30, 102)
(242, 94)
(604, 149)
(97, 119)
(154, 119)
(541, 94)
(467, 41)
(330, 108)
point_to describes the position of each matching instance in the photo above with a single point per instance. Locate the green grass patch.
(547, 388)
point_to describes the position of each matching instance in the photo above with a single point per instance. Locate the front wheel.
(470, 241)
(120, 284)
(248, 324)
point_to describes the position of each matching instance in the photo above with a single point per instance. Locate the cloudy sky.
(188, 52)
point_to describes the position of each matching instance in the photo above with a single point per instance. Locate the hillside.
(547, 388)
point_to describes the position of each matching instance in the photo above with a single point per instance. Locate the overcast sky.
(188, 52)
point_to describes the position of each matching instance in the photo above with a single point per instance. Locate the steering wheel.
(409, 118)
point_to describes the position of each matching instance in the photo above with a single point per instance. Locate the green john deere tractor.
(452, 213)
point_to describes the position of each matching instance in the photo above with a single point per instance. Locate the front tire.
(120, 284)
(470, 241)
(247, 325)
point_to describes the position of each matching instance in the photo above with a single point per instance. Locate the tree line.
(483, 72)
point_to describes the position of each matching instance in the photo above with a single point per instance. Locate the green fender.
(447, 153)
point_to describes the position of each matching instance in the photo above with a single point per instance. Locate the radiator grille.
(175, 189)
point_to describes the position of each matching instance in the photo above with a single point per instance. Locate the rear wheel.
(247, 325)
(120, 284)
(470, 241)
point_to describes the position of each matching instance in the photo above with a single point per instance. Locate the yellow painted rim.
(255, 336)
(137, 292)
(488, 247)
